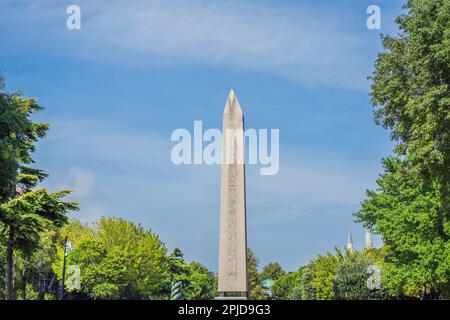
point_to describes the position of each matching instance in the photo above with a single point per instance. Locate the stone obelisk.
(233, 233)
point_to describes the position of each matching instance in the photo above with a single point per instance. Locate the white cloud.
(312, 45)
(91, 212)
(83, 181)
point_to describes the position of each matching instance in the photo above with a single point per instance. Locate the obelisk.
(233, 233)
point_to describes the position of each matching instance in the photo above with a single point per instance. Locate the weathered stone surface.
(233, 238)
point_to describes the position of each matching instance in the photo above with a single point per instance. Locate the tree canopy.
(24, 211)
(411, 98)
(407, 215)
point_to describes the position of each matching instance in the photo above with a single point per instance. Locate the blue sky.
(116, 89)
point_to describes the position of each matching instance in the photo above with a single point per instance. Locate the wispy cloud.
(83, 181)
(314, 45)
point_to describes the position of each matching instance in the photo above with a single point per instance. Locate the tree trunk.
(24, 282)
(10, 290)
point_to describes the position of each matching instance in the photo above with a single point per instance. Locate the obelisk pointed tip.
(232, 104)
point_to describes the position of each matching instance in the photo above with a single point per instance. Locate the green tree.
(24, 212)
(75, 231)
(118, 259)
(198, 282)
(350, 281)
(121, 260)
(318, 276)
(307, 276)
(105, 291)
(2, 265)
(273, 271)
(411, 97)
(255, 290)
(406, 215)
(26, 216)
(29, 267)
(411, 91)
(176, 263)
(288, 286)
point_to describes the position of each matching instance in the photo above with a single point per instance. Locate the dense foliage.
(411, 207)
(407, 215)
(333, 276)
(117, 259)
(113, 259)
(24, 210)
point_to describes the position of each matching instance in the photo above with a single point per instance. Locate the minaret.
(233, 237)
(368, 242)
(349, 242)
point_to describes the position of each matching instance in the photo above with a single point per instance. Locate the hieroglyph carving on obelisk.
(233, 238)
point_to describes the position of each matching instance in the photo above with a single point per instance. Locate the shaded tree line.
(110, 259)
(339, 276)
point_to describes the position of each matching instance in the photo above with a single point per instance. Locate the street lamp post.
(67, 248)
